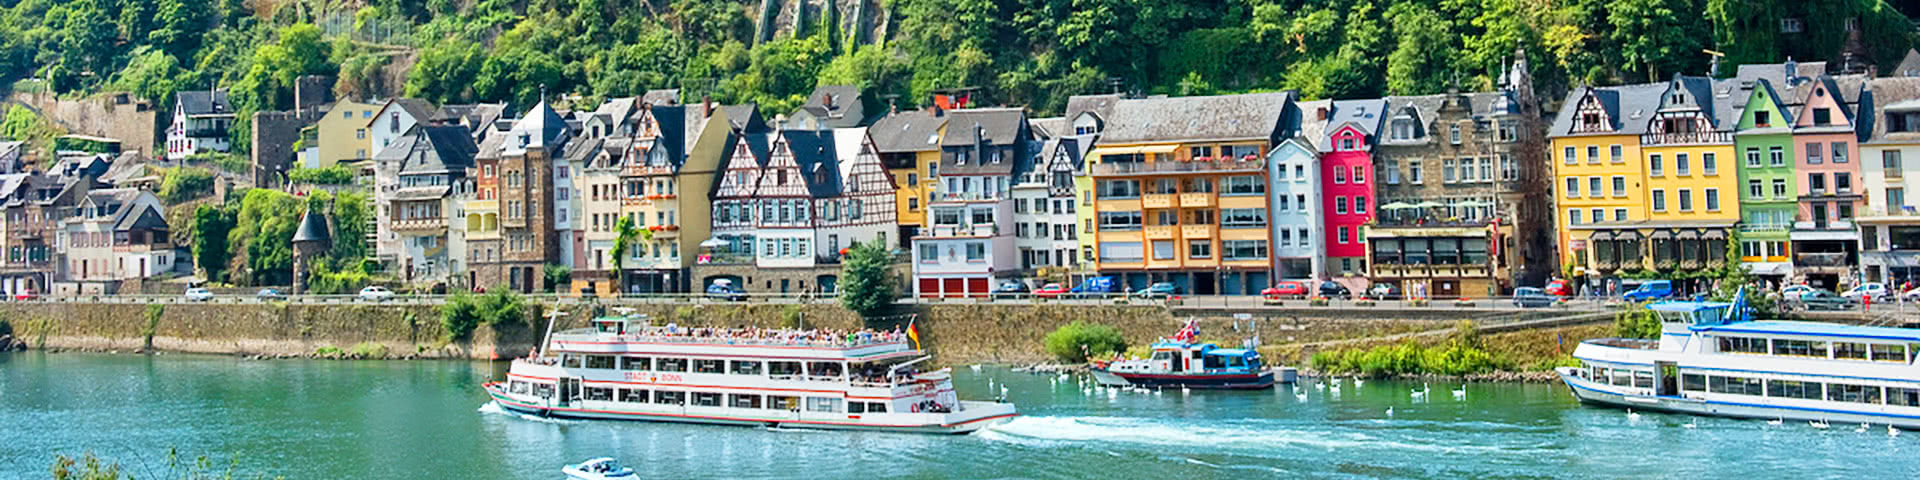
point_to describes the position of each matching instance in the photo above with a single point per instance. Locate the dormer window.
(1590, 120)
(1346, 144)
(1762, 118)
(1403, 128)
(1822, 116)
(1453, 133)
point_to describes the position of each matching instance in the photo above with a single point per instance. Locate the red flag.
(1188, 333)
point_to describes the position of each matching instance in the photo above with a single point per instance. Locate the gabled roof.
(669, 96)
(1783, 76)
(432, 150)
(144, 216)
(1219, 117)
(1363, 115)
(759, 145)
(1764, 87)
(818, 158)
(745, 117)
(1071, 149)
(1049, 127)
(1890, 94)
(204, 102)
(835, 106)
(999, 126)
(420, 110)
(673, 133)
(541, 128)
(909, 131)
(1630, 108)
(1101, 106)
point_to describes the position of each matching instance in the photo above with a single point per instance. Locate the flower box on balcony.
(671, 227)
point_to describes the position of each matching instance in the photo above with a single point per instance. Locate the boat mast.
(552, 315)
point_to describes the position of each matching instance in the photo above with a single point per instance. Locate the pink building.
(1346, 185)
(1827, 150)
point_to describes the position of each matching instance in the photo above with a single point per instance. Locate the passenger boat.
(1713, 359)
(622, 368)
(1179, 361)
(602, 468)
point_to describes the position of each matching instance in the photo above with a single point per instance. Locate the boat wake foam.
(1253, 436)
(495, 409)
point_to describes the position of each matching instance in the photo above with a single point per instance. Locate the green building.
(1768, 197)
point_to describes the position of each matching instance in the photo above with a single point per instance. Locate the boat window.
(744, 401)
(1622, 377)
(1850, 351)
(1163, 355)
(1693, 382)
(824, 369)
(543, 390)
(1643, 379)
(824, 405)
(783, 369)
(1799, 348)
(1236, 362)
(1793, 389)
(778, 402)
(600, 361)
(635, 363)
(570, 360)
(876, 407)
(1736, 385)
(1676, 317)
(1743, 345)
(670, 398)
(673, 364)
(1841, 392)
(1889, 353)
(708, 366)
(1905, 397)
(1599, 375)
(746, 367)
(633, 395)
(1215, 361)
(599, 393)
(856, 407)
(706, 399)
(517, 387)
(1197, 354)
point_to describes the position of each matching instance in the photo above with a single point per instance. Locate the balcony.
(1196, 231)
(1160, 232)
(725, 258)
(1820, 260)
(964, 197)
(1823, 225)
(424, 224)
(1196, 200)
(983, 230)
(1159, 168)
(664, 231)
(829, 259)
(207, 132)
(1765, 228)
(1159, 200)
(1685, 138)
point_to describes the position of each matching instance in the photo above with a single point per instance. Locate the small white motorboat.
(597, 469)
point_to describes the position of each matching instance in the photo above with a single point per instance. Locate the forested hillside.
(1030, 52)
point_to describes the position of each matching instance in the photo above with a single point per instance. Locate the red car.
(1558, 288)
(1051, 290)
(1286, 289)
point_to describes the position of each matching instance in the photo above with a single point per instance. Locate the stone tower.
(311, 240)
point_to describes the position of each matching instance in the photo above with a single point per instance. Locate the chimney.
(937, 111)
(706, 105)
(1321, 113)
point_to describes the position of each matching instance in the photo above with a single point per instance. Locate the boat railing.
(1631, 343)
(751, 338)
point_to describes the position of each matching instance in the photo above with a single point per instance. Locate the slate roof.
(1311, 127)
(1050, 127)
(142, 217)
(542, 127)
(1073, 147)
(1100, 106)
(909, 131)
(204, 102)
(313, 228)
(1365, 115)
(818, 159)
(1890, 94)
(1631, 108)
(430, 192)
(759, 145)
(1219, 117)
(1001, 126)
(432, 150)
(1776, 73)
(745, 118)
(420, 110)
(835, 106)
(670, 96)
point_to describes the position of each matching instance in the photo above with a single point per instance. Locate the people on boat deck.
(754, 335)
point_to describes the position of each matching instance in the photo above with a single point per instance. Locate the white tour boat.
(1712, 359)
(622, 368)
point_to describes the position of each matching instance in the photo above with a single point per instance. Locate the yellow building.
(1183, 201)
(342, 133)
(1643, 177)
(909, 146)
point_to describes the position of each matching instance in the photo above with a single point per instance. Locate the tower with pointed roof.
(310, 240)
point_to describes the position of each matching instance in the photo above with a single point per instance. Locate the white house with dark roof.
(969, 241)
(116, 234)
(433, 164)
(200, 122)
(394, 119)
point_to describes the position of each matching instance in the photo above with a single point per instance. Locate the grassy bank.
(1464, 353)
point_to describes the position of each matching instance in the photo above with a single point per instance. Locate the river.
(310, 419)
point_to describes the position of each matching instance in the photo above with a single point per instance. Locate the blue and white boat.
(1713, 359)
(1180, 362)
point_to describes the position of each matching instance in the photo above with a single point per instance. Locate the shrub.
(334, 175)
(459, 315)
(369, 350)
(328, 351)
(181, 184)
(1075, 342)
(1637, 322)
(6, 328)
(1456, 358)
(790, 316)
(501, 307)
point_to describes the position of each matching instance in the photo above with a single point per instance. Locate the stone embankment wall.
(955, 333)
(112, 115)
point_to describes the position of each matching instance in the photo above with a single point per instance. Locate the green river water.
(308, 419)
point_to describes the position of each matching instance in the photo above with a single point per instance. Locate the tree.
(351, 212)
(150, 74)
(177, 23)
(557, 277)
(263, 231)
(866, 279)
(1421, 61)
(1076, 342)
(624, 233)
(211, 227)
(1655, 36)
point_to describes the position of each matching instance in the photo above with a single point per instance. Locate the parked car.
(1332, 289)
(25, 295)
(1650, 290)
(724, 289)
(1158, 290)
(198, 294)
(1911, 295)
(1825, 300)
(1874, 290)
(268, 293)
(1010, 289)
(1384, 291)
(1051, 290)
(1794, 292)
(375, 293)
(1559, 288)
(1531, 297)
(1286, 288)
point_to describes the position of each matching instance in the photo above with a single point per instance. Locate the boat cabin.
(1201, 358)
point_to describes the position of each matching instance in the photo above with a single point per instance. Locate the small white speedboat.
(597, 469)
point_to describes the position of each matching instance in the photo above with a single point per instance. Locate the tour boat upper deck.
(632, 334)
